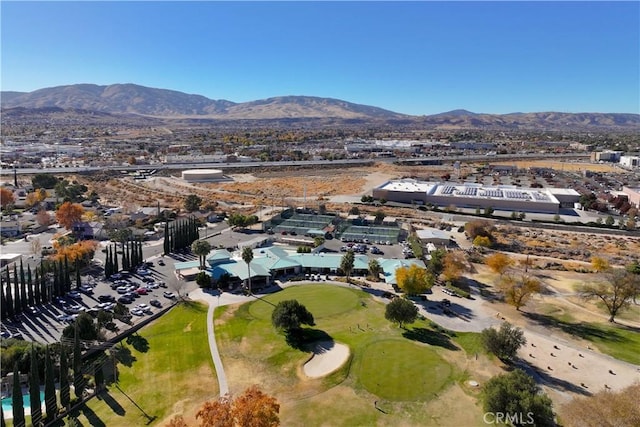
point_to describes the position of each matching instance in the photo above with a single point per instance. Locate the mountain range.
(131, 99)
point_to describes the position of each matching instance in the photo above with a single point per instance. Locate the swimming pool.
(7, 407)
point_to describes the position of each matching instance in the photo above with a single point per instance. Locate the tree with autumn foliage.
(69, 214)
(498, 262)
(413, 279)
(6, 197)
(82, 251)
(455, 263)
(253, 408)
(518, 288)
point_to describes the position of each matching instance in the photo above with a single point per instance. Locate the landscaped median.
(392, 376)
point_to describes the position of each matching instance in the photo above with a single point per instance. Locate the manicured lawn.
(166, 369)
(321, 300)
(618, 341)
(471, 342)
(399, 370)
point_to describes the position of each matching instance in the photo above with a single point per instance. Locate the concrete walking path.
(214, 301)
(215, 354)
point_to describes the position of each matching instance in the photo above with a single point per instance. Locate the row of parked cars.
(361, 248)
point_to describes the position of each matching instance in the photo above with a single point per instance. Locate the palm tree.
(202, 249)
(247, 256)
(375, 269)
(346, 265)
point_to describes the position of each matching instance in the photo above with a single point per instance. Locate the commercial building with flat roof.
(470, 195)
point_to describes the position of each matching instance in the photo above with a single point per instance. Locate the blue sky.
(413, 57)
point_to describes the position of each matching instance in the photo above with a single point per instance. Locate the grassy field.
(616, 340)
(391, 378)
(166, 369)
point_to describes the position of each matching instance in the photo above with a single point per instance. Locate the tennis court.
(300, 223)
(372, 233)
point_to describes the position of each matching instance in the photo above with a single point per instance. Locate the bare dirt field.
(566, 166)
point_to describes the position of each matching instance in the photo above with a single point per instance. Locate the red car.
(141, 291)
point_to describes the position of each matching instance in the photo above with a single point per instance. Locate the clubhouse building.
(276, 262)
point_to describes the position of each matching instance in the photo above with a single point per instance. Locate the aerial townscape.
(170, 259)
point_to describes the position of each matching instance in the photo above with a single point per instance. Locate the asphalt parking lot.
(47, 321)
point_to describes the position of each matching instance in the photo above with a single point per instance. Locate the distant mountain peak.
(133, 99)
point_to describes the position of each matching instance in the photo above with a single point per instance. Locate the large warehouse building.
(469, 195)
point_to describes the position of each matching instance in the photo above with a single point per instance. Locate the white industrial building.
(202, 175)
(630, 162)
(469, 195)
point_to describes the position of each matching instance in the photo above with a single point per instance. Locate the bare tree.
(616, 293)
(35, 246)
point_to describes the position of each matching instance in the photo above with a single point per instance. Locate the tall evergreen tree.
(17, 298)
(10, 308)
(22, 276)
(98, 377)
(30, 297)
(50, 403)
(78, 378)
(165, 243)
(65, 391)
(37, 295)
(56, 279)
(115, 260)
(16, 399)
(125, 260)
(24, 301)
(3, 301)
(107, 264)
(67, 276)
(140, 254)
(77, 267)
(34, 389)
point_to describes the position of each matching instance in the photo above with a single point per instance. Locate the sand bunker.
(327, 357)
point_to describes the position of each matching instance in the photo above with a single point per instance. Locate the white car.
(137, 312)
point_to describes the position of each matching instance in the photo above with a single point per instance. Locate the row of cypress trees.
(131, 257)
(52, 278)
(180, 234)
(50, 399)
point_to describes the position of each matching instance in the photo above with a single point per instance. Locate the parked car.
(125, 300)
(86, 289)
(155, 303)
(169, 295)
(160, 262)
(74, 295)
(141, 291)
(137, 312)
(106, 298)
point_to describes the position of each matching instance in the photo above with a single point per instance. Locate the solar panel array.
(540, 196)
(492, 192)
(518, 195)
(468, 191)
(448, 189)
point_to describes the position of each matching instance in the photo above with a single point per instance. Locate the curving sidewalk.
(213, 301)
